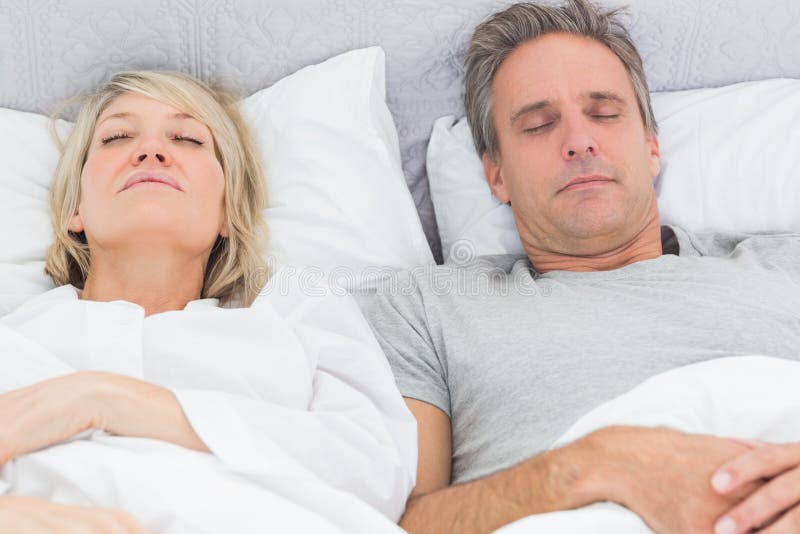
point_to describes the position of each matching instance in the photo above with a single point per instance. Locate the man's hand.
(663, 476)
(36, 516)
(775, 504)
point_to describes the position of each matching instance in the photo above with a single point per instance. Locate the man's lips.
(583, 182)
(151, 177)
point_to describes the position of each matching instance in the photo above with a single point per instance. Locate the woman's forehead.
(137, 106)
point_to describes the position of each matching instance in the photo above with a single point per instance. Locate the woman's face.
(151, 178)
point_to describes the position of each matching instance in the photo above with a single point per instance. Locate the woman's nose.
(154, 149)
(144, 155)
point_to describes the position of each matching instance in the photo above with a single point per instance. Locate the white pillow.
(471, 221)
(339, 203)
(337, 191)
(19, 282)
(29, 158)
(731, 157)
(730, 162)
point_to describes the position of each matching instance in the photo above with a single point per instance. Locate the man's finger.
(773, 499)
(744, 491)
(761, 462)
(749, 443)
(788, 524)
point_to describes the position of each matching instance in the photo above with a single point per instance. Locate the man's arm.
(556, 480)
(660, 474)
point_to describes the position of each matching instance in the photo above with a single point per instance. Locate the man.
(606, 297)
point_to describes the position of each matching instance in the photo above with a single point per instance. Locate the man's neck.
(158, 282)
(644, 245)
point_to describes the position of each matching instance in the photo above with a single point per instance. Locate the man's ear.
(654, 156)
(494, 177)
(75, 223)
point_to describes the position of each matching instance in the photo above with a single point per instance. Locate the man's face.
(574, 157)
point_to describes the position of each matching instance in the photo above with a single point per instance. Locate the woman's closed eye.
(114, 136)
(189, 138)
(125, 135)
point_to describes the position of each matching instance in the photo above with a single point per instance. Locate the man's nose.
(579, 142)
(588, 149)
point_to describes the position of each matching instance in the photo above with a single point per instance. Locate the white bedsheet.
(170, 489)
(753, 397)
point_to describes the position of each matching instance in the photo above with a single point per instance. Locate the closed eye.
(188, 138)
(606, 117)
(114, 137)
(537, 129)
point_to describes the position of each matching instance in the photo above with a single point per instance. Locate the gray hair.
(498, 36)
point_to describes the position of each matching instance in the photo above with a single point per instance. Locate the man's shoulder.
(496, 268)
(725, 244)
(451, 284)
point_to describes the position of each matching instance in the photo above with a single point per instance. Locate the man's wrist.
(580, 473)
(610, 475)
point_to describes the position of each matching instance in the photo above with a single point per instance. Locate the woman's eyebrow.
(127, 115)
(121, 115)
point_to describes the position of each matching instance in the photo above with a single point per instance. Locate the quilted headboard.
(53, 49)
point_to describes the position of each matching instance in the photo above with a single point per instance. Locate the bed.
(51, 50)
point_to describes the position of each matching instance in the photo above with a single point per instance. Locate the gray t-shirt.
(515, 357)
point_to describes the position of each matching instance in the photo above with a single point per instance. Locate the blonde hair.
(236, 270)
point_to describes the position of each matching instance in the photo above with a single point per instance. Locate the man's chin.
(587, 225)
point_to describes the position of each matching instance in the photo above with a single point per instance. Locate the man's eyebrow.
(530, 108)
(608, 96)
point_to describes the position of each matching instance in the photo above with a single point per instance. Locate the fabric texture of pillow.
(19, 282)
(339, 204)
(338, 197)
(29, 155)
(471, 221)
(728, 164)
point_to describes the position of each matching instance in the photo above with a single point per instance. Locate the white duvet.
(292, 396)
(755, 397)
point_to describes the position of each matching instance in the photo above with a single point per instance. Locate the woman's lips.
(154, 179)
(149, 184)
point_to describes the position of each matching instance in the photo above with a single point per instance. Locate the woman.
(157, 331)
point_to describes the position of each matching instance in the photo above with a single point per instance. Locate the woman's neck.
(158, 282)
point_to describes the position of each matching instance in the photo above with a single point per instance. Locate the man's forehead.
(560, 67)
(563, 50)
